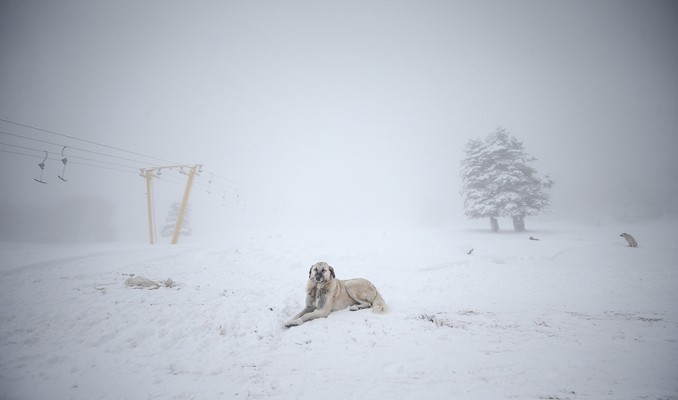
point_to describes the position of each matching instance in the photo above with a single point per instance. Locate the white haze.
(351, 113)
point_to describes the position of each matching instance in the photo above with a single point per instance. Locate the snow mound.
(141, 282)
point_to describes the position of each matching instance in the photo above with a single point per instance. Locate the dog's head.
(321, 272)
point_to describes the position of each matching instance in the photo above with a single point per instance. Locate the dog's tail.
(379, 305)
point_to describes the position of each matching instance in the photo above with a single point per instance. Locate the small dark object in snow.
(470, 251)
(533, 238)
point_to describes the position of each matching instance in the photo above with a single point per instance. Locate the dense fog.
(325, 115)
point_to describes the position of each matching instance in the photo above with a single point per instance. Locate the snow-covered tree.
(171, 221)
(478, 178)
(499, 182)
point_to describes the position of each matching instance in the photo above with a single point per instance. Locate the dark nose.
(318, 276)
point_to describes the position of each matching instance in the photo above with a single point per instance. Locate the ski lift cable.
(19, 147)
(18, 153)
(72, 157)
(73, 162)
(232, 185)
(209, 185)
(229, 184)
(72, 147)
(133, 169)
(231, 191)
(231, 181)
(85, 140)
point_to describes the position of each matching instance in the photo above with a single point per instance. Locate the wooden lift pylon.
(149, 174)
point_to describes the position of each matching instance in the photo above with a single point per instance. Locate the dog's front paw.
(293, 322)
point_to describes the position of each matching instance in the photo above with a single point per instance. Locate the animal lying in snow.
(325, 293)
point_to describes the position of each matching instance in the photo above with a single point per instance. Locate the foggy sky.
(341, 112)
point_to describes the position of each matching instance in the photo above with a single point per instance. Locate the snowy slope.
(575, 315)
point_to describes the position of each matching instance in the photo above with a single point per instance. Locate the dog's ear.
(309, 272)
(332, 272)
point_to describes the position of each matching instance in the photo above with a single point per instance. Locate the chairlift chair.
(64, 160)
(42, 169)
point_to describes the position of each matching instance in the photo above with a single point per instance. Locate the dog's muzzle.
(319, 277)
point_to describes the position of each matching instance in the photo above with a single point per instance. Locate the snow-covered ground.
(575, 315)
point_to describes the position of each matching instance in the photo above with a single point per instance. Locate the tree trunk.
(518, 223)
(495, 224)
